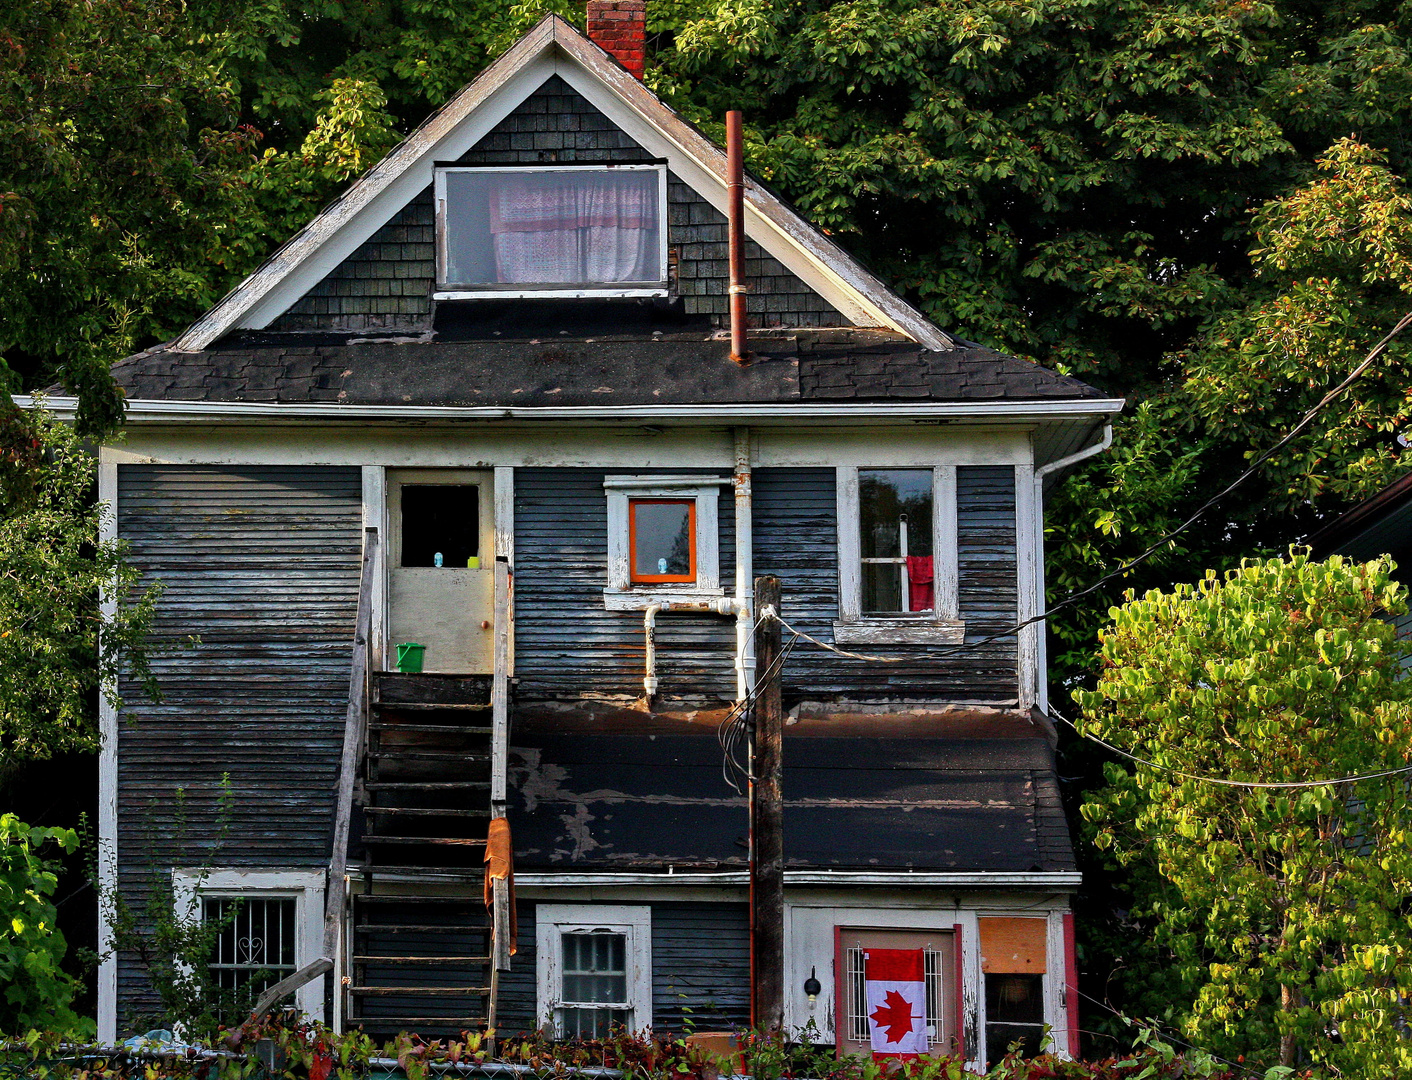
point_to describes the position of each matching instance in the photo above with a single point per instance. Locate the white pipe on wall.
(649, 632)
(744, 567)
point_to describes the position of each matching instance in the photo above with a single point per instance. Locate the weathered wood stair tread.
(419, 991)
(431, 706)
(425, 785)
(446, 841)
(426, 755)
(426, 811)
(438, 729)
(427, 961)
(437, 874)
(415, 898)
(420, 928)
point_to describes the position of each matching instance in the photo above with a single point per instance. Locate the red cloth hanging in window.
(919, 583)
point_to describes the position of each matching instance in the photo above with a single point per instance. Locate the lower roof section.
(643, 803)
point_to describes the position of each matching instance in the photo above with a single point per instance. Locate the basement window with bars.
(268, 924)
(255, 945)
(593, 969)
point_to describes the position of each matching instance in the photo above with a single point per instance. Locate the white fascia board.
(1059, 879)
(1008, 412)
(370, 202)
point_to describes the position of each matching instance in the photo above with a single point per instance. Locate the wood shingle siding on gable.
(796, 536)
(387, 283)
(566, 645)
(262, 564)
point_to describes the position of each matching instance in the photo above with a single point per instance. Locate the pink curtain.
(919, 583)
(571, 228)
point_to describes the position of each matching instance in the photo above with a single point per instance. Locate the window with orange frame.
(662, 540)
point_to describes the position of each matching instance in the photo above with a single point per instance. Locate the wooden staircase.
(421, 950)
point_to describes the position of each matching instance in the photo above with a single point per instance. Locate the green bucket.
(409, 657)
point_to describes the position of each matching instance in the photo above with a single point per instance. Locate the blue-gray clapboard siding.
(700, 968)
(566, 644)
(262, 564)
(796, 538)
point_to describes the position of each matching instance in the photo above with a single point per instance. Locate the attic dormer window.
(554, 231)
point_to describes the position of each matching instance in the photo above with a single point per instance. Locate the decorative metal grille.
(856, 995)
(255, 948)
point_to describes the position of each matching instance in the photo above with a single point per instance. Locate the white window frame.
(622, 593)
(554, 920)
(306, 887)
(449, 291)
(940, 626)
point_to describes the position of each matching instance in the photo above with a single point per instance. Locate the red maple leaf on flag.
(895, 1014)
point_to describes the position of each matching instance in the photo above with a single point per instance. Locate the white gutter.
(1073, 459)
(932, 878)
(788, 412)
(1042, 636)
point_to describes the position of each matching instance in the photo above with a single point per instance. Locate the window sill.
(640, 599)
(587, 292)
(899, 632)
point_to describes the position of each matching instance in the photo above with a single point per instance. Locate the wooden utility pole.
(767, 819)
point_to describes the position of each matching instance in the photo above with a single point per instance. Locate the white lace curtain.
(581, 227)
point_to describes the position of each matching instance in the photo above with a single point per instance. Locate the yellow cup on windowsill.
(473, 562)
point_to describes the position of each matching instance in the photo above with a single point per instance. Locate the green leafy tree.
(35, 992)
(1282, 912)
(56, 565)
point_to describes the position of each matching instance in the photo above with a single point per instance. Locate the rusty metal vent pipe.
(735, 218)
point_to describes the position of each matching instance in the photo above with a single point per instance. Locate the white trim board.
(107, 788)
(788, 414)
(552, 47)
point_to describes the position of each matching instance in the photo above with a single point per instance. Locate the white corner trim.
(107, 790)
(1029, 538)
(705, 491)
(375, 517)
(634, 922)
(306, 886)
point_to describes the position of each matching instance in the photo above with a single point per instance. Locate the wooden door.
(441, 567)
(850, 1011)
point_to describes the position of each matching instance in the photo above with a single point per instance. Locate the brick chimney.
(619, 28)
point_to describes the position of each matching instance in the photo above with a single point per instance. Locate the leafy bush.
(36, 990)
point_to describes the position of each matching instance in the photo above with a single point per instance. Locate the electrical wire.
(1075, 596)
(1281, 785)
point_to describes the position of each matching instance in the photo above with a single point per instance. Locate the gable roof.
(553, 47)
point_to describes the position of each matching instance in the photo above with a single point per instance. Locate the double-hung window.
(550, 231)
(593, 969)
(897, 556)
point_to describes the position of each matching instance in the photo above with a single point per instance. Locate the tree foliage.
(1282, 910)
(35, 992)
(55, 566)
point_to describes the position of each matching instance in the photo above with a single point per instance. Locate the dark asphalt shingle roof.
(596, 802)
(817, 366)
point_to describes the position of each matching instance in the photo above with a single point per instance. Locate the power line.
(1261, 784)
(1078, 594)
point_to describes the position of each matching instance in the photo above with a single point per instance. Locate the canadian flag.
(897, 995)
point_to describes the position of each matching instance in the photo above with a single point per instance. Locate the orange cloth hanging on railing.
(499, 863)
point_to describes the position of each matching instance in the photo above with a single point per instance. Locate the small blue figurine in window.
(436, 559)
(661, 566)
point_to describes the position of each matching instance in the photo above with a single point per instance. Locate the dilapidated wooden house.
(485, 404)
